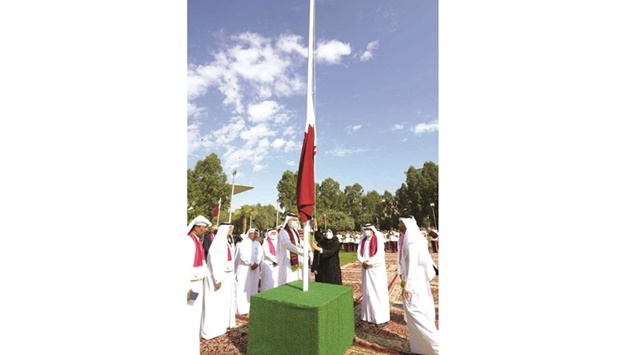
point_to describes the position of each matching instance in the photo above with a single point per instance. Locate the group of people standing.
(416, 269)
(224, 276)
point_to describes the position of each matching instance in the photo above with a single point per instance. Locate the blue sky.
(376, 90)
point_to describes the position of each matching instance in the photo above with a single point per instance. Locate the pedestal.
(286, 320)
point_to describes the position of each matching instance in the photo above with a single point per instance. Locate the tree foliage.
(371, 207)
(421, 188)
(338, 220)
(329, 196)
(287, 188)
(353, 197)
(206, 184)
(345, 210)
(388, 216)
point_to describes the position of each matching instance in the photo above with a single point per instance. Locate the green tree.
(388, 218)
(206, 184)
(371, 207)
(241, 218)
(419, 190)
(429, 181)
(287, 189)
(337, 220)
(353, 197)
(264, 217)
(329, 196)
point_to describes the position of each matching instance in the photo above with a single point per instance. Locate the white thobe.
(416, 268)
(375, 296)
(285, 272)
(218, 306)
(194, 307)
(269, 277)
(246, 279)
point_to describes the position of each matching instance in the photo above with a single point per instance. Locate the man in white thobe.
(415, 267)
(247, 272)
(218, 306)
(375, 297)
(290, 252)
(196, 229)
(270, 266)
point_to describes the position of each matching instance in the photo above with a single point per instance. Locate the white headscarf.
(268, 231)
(370, 226)
(287, 218)
(222, 235)
(198, 221)
(414, 235)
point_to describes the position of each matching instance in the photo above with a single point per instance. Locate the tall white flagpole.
(310, 106)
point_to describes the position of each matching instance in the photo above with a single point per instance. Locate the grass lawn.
(347, 257)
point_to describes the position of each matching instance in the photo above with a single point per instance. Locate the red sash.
(294, 257)
(199, 254)
(272, 249)
(373, 245)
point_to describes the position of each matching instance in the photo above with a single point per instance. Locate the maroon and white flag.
(216, 211)
(305, 174)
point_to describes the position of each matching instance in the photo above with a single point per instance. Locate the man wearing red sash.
(289, 251)
(196, 229)
(270, 266)
(375, 298)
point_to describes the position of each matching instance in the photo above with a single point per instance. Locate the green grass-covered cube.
(286, 320)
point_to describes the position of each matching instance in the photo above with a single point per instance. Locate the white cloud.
(352, 129)
(397, 127)
(290, 163)
(229, 132)
(251, 65)
(291, 146)
(193, 138)
(195, 111)
(278, 143)
(262, 111)
(254, 74)
(258, 167)
(423, 128)
(331, 52)
(255, 134)
(342, 152)
(370, 48)
(289, 43)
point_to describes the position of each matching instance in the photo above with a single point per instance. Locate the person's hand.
(275, 264)
(254, 266)
(218, 285)
(315, 272)
(316, 225)
(188, 293)
(406, 294)
(365, 264)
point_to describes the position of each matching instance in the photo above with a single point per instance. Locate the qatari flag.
(216, 211)
(305, 174)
